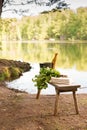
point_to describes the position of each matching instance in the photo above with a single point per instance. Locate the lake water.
(24, 83)
(72, 61)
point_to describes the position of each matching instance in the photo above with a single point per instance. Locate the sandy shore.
(22, 111)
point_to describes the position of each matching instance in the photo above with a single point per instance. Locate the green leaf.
(41, 80)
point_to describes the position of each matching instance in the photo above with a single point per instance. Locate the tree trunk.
(1, 5)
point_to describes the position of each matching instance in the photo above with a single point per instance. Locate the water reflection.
(68, 54)
(24, 83)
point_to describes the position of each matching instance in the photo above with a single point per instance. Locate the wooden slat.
(62, 87)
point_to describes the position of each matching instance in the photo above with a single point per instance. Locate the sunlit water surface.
(24, 83)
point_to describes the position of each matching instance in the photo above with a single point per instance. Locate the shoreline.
(47, 41)
(3, 85)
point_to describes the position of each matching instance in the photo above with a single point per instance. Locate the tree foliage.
(64, 25)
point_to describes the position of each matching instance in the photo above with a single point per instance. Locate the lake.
(72, 61)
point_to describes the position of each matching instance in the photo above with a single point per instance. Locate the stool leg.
(38, 94)
(56, 103)
(75, 102)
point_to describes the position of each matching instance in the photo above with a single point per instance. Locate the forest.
(55, 25)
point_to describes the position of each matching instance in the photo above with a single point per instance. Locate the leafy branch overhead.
(21, 7)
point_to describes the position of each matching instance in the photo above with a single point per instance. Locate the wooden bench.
(65, 88)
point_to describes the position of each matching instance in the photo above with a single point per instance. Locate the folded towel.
(60, 80)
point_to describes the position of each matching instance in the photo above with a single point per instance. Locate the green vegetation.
(2, 77)
(64, 25)
(4, 74)
(14, 72)
(9, 73)
(12, 69)
(44, 77)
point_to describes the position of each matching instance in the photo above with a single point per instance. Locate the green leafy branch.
(41, 80)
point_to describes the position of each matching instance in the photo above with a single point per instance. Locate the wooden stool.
(65, 88)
